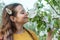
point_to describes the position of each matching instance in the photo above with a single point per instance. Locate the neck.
(19, 28)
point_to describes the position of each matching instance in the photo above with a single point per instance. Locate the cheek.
(20, 18)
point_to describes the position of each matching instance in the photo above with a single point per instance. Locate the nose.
(26, 13)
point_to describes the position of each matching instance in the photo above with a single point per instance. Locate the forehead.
(19, 8)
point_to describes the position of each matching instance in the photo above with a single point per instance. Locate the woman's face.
(21, 16)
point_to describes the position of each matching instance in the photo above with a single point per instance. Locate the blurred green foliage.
(47, 18)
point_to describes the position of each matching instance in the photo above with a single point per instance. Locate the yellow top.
(25, 36)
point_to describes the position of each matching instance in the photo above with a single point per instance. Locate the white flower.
(8, 11)
(41, 33)
(45, 19)
(31, 14)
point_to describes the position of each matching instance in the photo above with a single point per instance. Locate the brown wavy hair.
(7, 24)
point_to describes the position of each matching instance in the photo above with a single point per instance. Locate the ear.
(12, 18)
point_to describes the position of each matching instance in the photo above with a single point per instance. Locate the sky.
(28, 4)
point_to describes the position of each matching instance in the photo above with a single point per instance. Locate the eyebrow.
(22, 10)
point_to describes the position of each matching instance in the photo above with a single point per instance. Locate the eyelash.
(22, 13)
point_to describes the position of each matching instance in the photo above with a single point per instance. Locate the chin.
(25, 21)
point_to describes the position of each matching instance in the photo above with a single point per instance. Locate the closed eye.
(22, 12)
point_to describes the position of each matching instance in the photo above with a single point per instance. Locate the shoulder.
(34, 34)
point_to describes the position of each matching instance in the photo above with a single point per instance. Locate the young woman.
(13, 18)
